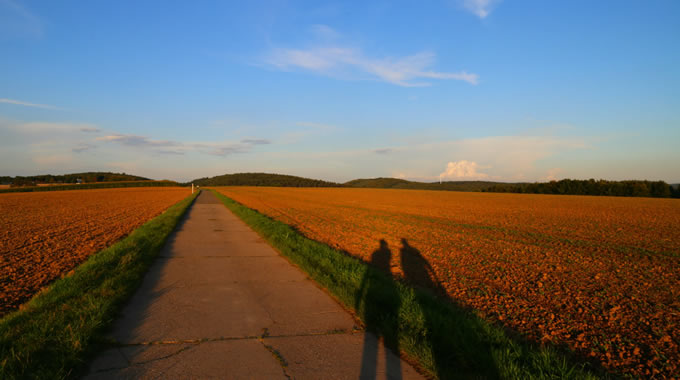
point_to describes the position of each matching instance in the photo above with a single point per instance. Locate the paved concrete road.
(221, 303)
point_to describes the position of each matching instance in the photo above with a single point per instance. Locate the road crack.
(275, 353)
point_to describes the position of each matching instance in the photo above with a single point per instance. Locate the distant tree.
(660, 189)
(22, 182)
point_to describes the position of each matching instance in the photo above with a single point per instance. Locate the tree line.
(88, 177)
(84, 186)
(633, 188)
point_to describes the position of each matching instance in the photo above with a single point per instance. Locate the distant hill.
(88, 177)
(632, 188)
(395, 183)
(88, 186)
(262, 179)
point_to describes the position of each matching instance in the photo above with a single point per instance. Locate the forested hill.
(88, 177)
(262, 179)
(395, 183)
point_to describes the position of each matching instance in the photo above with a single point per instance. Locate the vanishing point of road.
(221, 303)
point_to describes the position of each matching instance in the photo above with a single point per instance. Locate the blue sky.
(459, 89)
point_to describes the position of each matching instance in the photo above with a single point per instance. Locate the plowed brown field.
(598, 274)
(44, 235)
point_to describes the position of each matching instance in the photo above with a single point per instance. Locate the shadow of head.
(416, 269)
(382, 256)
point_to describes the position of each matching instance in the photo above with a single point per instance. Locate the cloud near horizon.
(553, 174)
(82, 147)
(496, 158)
(256, 141)
(463, 169)
(343, 61)
(45, 127)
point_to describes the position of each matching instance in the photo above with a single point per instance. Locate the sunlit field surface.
(600, 275)
(43, 235)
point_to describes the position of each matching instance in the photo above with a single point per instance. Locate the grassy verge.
(448, 341)
(55, 333)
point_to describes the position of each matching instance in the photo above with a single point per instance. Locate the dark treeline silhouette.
(262, 179)
(655, 189)
(397, 183)
(267, 179)
(88, 177)
(86, 186)
(633, 188)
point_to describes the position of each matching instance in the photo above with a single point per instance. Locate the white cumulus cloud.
(466, 170)
(554, 174)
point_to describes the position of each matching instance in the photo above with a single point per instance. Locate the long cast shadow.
(452, 340)
(446, 359)
(378, 301)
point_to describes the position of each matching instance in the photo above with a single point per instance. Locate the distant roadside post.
(192, 188)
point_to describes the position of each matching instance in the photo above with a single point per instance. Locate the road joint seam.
(246, 337)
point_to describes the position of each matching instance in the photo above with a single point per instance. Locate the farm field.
(45, 235)
(599, 275)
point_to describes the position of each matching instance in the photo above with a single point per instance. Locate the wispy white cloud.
(480, 8)
(16, 20)
(339, 61)
(324, 32)
(83, 147)
(179, 148)
(256, 141)
(138, 141)
(223, 149)
(407, 71)
(60, 136)
(42, 127)
(462, 170)
(27, 104)
(170, 152)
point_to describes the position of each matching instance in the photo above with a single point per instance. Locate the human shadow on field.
(380, 309)
(444, 328)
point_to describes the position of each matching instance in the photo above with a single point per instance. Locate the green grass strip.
(55, 334)
(448, 341)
